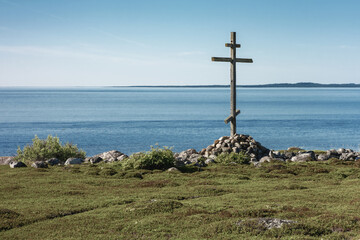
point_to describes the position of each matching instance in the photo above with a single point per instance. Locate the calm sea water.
(132, 119)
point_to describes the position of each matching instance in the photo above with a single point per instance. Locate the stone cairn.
(236, 144)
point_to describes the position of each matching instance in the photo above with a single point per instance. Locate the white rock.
(15, 164)
(173, 169)
(209, 161)
(39, 164)
(71, 161)
(53, 161)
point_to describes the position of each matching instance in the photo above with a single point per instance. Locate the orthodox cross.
(233, 60)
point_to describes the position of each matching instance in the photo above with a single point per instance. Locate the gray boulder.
(173, 169)
(53, 161)
(323, 157)
(212, 157)
(179, 162)
(269, 159)
(184, 155)
(93, 160)
(277, 155)
(16, 164)
(265, 159)
(39, 164)
(304, 157)
(341, 151)
(6, 160)
(194, 158)
(332, 153)
(71, 161)
(111, 156)
(289, 155)
(348, 156)
(209, 161)
(122, 157)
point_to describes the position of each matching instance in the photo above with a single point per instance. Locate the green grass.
(106, 202)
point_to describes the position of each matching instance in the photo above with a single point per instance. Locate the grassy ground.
(102, 202)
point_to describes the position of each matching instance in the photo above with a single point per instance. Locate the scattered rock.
(268, 223)
(304, 157)
(350, 156)
(323, 157)
(268, 159)
(332, 153)
(289, 155)
(194, 158)
(16, 164)
(39, 164)
(53, 161)
(93, 160)
(209, 161)
(112, 156)
(6, 160)
(71, 161)
(173, 169)
(265, 159)
(341, 151)
(186, 157)
(122, 157)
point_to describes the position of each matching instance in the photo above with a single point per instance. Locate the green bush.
(51, 147)
(156, 158)
(240, 158)
(108, 171)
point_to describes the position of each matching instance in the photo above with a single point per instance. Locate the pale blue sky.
(108, 42)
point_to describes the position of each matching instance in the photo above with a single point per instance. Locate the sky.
(162, 42)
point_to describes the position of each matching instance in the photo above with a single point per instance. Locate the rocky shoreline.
(239, 143)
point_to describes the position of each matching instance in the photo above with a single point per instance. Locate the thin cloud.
(109, 34)
(348, 47)
(67, 53)
(64, 20)
(190, 53)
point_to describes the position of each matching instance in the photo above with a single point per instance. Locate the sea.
(131, 119)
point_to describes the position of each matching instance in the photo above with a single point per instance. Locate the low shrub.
(156, 158)
(240, 158)
(51, 147)
(108, 172)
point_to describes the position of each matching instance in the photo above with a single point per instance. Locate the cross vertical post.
(233, 84)
(233, 60)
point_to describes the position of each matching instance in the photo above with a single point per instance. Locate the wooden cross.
(233, 60)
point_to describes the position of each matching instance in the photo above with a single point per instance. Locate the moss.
(108, 172)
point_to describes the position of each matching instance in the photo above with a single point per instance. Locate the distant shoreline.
(272, 85)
